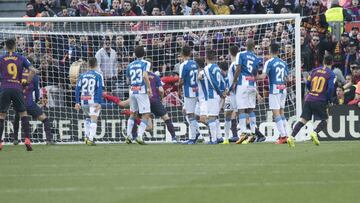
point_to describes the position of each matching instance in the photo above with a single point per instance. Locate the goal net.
(60, 47)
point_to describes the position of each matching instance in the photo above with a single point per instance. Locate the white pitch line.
(165, 187)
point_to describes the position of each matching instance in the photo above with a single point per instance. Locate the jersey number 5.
(12, 70)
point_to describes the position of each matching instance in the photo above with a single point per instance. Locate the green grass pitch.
(168, 173)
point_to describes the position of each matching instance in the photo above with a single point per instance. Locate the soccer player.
(216, 89)
(321, 86)
(230, 100)
(188, 86)
(140, 91)
(32, 108)
(244, 85)
(12, 65)
(277, 71)
(88, 96)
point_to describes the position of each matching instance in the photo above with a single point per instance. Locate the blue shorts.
(34, 110)
(157, 108)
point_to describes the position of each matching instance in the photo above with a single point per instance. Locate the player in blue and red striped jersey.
(33, 108)
(12, 65)
(321, 86)
(88, 95)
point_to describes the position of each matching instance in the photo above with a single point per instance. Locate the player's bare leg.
(26, 129)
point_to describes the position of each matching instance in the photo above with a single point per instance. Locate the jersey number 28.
(88, 85)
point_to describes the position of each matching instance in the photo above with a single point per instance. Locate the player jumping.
(277, 71)
(321, 85)
(88, 96)
(140, 91)
(244, 84)
(12, 65)
(32, 108)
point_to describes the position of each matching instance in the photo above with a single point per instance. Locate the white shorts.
(277, 101)
(90, 110)
(190, 104)
(140, 102)
(245, 97)
(201, 107)
(213, 106)
(230, 103)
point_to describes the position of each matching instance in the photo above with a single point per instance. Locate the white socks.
(130, 125)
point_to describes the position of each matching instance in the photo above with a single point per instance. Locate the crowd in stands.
(321, 33)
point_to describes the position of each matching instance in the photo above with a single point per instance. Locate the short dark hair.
(223, 65)
(328, 60)
(250, 44)
(139, 51)
(186, 51)
(200, 62)
(210, 54)
(92, 62)
(233, 50)
(10, 44)
(274, 48)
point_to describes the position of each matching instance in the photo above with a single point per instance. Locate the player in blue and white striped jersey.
(216, 89)
(188, 86)
(140, 91)
(247, 64)
(277, 71)
(88, 96)
(230, 100)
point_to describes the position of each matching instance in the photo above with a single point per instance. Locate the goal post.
(60, 46)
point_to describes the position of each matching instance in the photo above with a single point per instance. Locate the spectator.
(143, 7)
(86, 50)
(156, 51)
(241, 7)
(21, 45)
(349, 89)
(335, 17)
(302, 8)
(339, 99)
(263, 6)
(203, 8)
(30, 12)
(340, 49)
(317, 52)
(354, 10)
(219, 8)
(316, 19)
(185, 10)
(73, 10)
(195, 10)
(277, 5)
(350, 56)
(123, 51)
(107, 63)
(354, 33)
(173, 8)
(305, 53)
(126, 10)
(35, 53)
